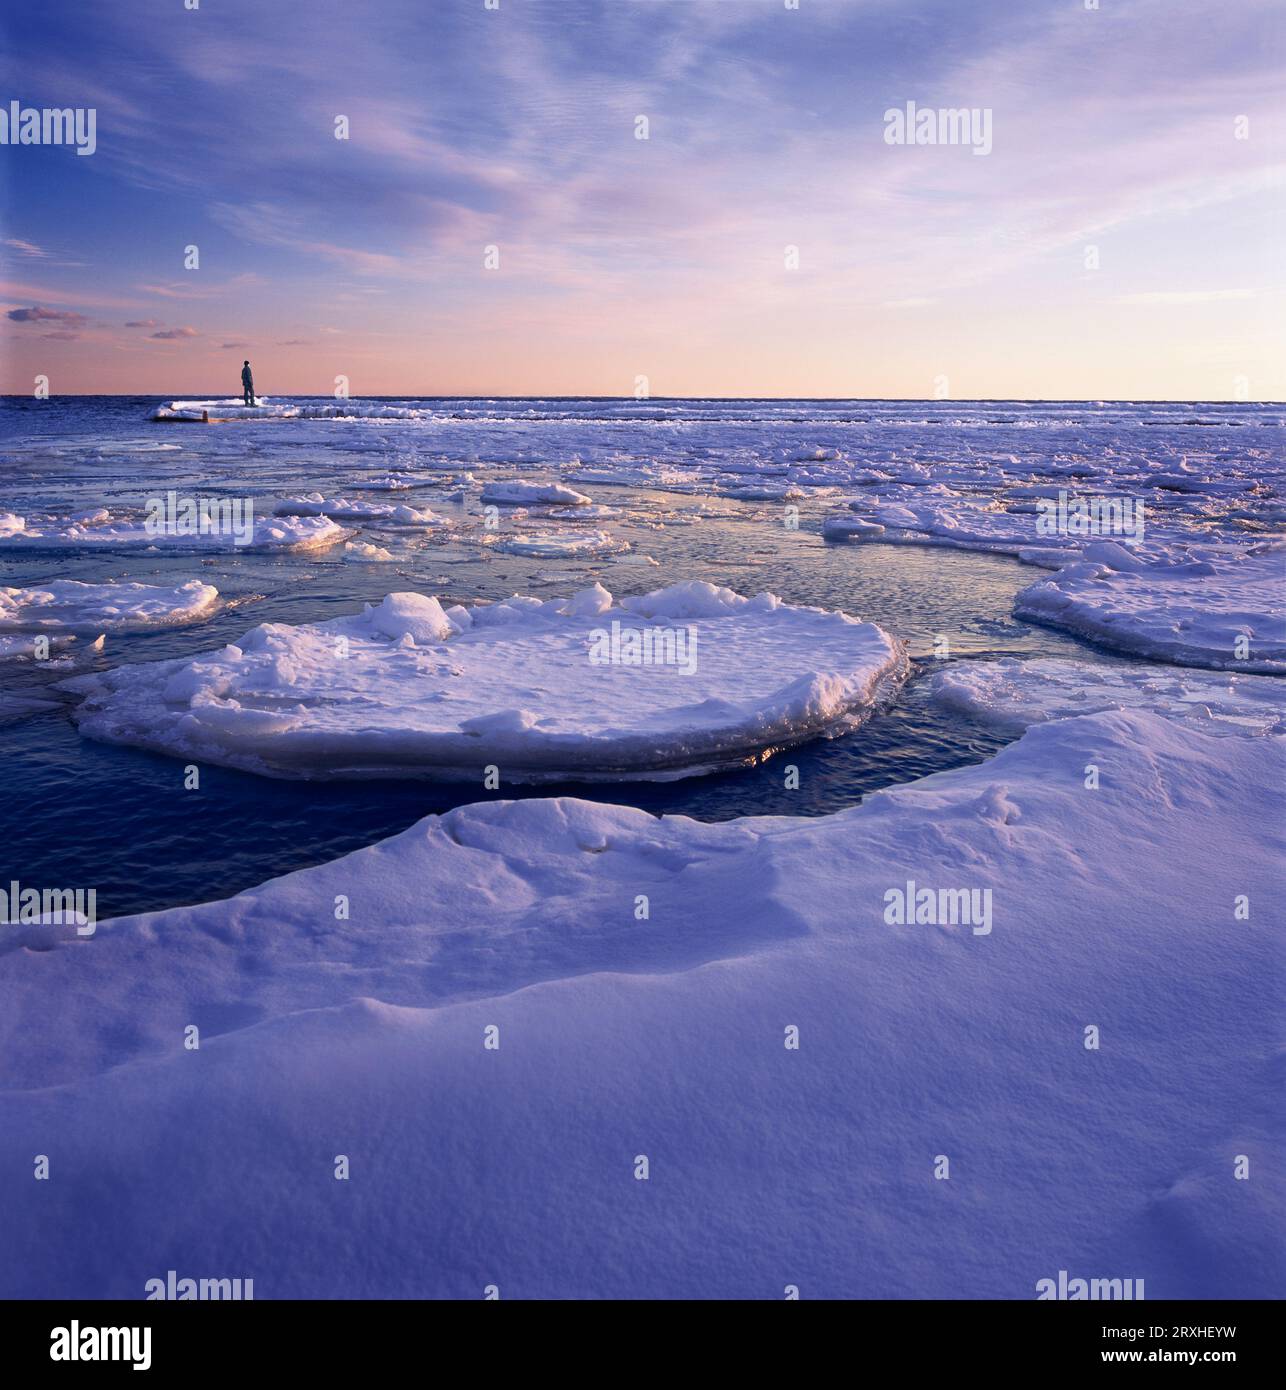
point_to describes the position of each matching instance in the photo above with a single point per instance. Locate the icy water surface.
(78, 812)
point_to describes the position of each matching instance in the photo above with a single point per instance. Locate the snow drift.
(494, 1040)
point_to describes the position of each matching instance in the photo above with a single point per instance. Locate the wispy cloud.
(36, 314)
(515, 129)
(26, 248)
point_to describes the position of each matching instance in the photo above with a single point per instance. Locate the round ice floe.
(1194, 606)
(66, 605)
(1014, 693)
(679, 681)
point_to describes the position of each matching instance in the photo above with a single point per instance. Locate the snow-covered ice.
(102, 529)
(67, 605)
(495, 1040)
(349, 509)
(339, 508)
(386, 482)
(1193, 605)
(641, 975)
(535, 688)
(850, 528)
(520, 494)
(1016, 693)
(968, 524)
(362, 552)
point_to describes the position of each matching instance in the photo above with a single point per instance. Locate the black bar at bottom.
(332, 1339)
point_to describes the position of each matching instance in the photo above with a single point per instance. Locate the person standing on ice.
(247, 384)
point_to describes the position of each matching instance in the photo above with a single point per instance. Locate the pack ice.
(541, 690)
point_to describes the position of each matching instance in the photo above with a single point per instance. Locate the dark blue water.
(76, 812)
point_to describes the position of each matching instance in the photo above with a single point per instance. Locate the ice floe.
(338, 508)
(362, 552)
(103, 529)
(1017, 693)
(969, 524)
(518, 494)
(67, 605)
(349, 509)
(850, 528)
(386, 482)
(678, 681)
(1197, 606)
(552, 545)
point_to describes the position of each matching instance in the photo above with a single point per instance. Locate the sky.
(493, 225)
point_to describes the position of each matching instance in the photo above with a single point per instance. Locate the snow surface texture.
(407, 689)
(1196, 607)
(65, 605)
(1015, 694)
(620, 1038)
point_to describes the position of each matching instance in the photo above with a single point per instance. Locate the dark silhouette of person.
(247, 384)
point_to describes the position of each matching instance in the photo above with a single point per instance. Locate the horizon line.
(538, 396)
